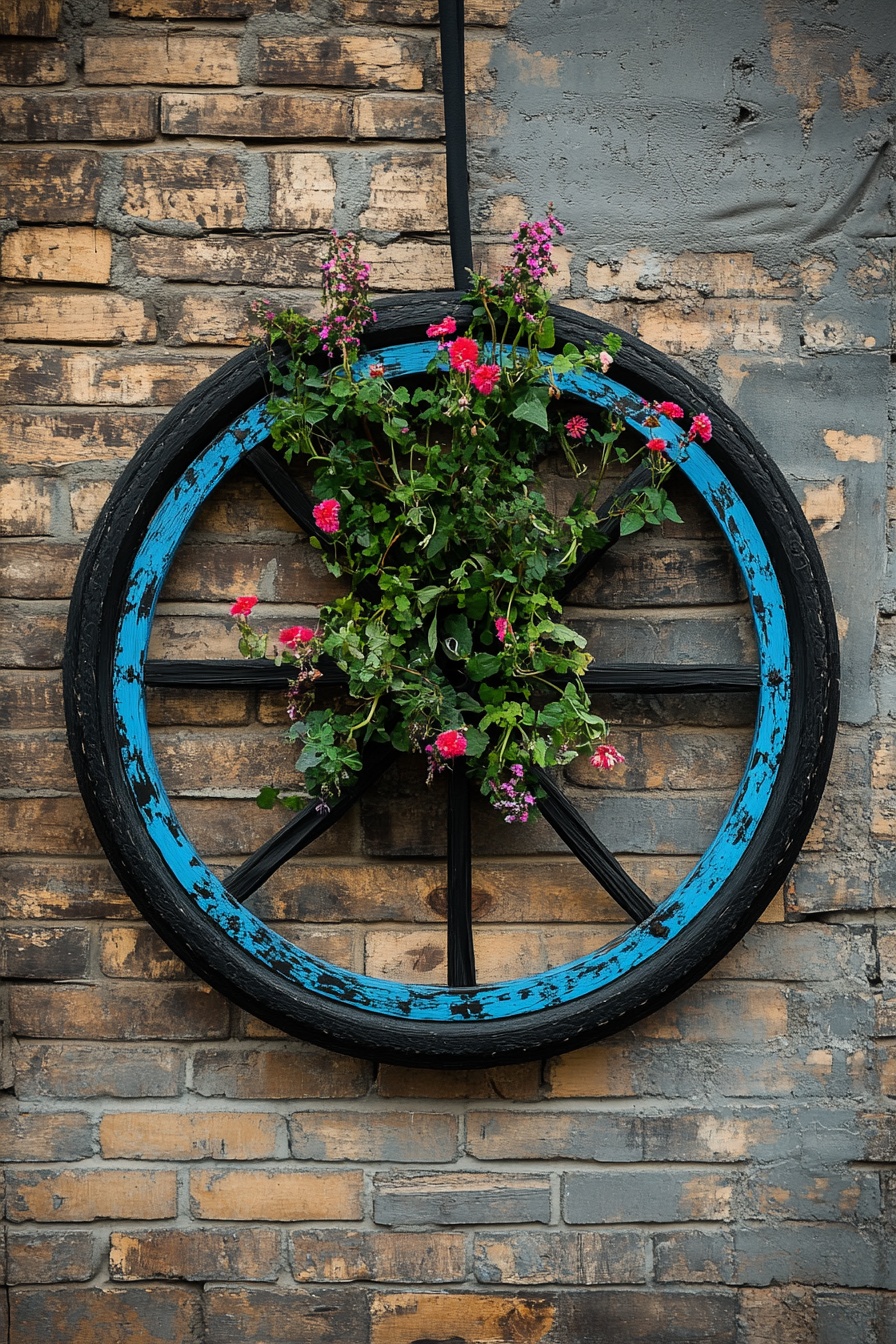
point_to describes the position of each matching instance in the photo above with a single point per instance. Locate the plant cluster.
(429, 503)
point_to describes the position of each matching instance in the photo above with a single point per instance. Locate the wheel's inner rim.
(562, 984)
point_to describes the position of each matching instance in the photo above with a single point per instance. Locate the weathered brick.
(782, 1313)
(477, 1197)
(190, 762)
(184, 1136)
(175, 58)
(607, 1136)
(717, 1135)
(30, 18)
(279, 1195)
(407, 192)
(26, 506)
(822, 883)
(788, 1190)
(349, 62)
(74, 316)
(205, 189)
(197, 1253)
(44, 1136)
(284, 1316)
(878, 1129)
(49, 186)
(273, 116)
(84, 1071)
(303, 191)
(87, 499)
(512, 1082)
(63, 437)
(378, 1257)
(377, 1136)
(78, 116)
(37, 953)
(32, 63)
(70, 889)
(38, 569)
(651, 1195)
(496, 12)
(560, 1257)
(155, 1315)
(200, 317)
(86, 1194)
(67, 827)
(118, 1012)
(51, 1257)
(135, 952)
(271, 1072)
(689, 1255)
(813, 1253)
(97, 377)
(398, 116)
(501, 954)
(230, 260)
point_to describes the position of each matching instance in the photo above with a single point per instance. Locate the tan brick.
(378, 1136)
(398, 116)
(78, 116)
(404, 1318)
(303, 190)
(408, 265)
(350, 62)
(31, 700)
(26, 506)
(560, 1257)
(280, 1195)
(70, 889)
(738, 324)
(87, 499)
(33, 438)
(493, 12)
(37, 569)
(62, 824)
(646, 275)
(137, 952)
(192, 761)
(89, 1071)
(602, 1070)
(49, 186)
(185, 1136)
(231, 260)
(201, 9)
(785, 1314)
(283, 116)
(32, 63)
(164, 706)
(85, 1194)
(134, 1313)
(207, 318)
(501, 954)
(176, 58)
(196, 1254)
(205, 189)
(275, 1073)
(51, 1257)
(39, 1136)
(378, 1257)
(98, 377)
(30, 18)
(886, 1065)
(74, 316)
(514, 1082)
(407, 192)
(118, 1012)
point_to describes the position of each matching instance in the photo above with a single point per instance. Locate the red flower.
(657, 445)
(605, 757)
(463, 354)
(243, 606)
(294, 635)
(326, 515)
(670, 408)
(377, 370)
(502, 625)
(701, 428)
(451, 743)
(576, 427)
(447, 327)
(486, 378)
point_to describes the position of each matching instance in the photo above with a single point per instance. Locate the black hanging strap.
(451, 29)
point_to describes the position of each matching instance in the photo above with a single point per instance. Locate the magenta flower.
(576, 427)
(447, 327)
(243, 606)
(656, 445)
(486, 378)
(451, 743)
(502, 625)
(294, 635)
(326, 515)
(605, 757)
(670, 408)
(463, 354)
(606, 359)
(701, 428)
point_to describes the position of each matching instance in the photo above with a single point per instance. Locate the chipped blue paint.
(563, 984)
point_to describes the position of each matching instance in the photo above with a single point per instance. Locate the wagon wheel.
(205, 920)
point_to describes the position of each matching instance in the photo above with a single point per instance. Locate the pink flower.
(576, 427)
(326, 515)
(451, 743)
(486, 378)
(377, 370)
(670, 408)
(605, 360)
(606, 757)
(463, 354)
(447, 327)
(657, 445)
(701, 428)
(294, 635)
(502, 625)
(243, 606)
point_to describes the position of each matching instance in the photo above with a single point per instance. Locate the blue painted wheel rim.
(566, 984)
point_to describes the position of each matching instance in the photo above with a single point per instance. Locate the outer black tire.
(748, 888)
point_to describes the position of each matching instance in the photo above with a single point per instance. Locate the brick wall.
(180, 1172)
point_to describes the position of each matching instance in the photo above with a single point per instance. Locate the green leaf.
(629, 523)
(429, 594)
(477, 742)
(546, 337)
(532, 411)
(457, 627)
(670, 512)
(483, 665)
(432, 636)
(267, 797)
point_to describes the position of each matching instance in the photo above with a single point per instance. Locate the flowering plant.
(429, 503)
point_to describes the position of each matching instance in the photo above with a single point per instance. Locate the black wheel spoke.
(287, 492)
(259, 674)
(608, 521)
(461, 960)
(559, 812)
(670, 678)
(306, 826)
